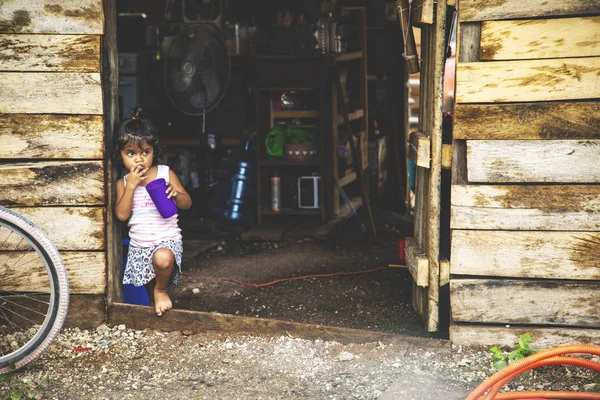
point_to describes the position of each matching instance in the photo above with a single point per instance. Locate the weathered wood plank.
(549, 255)
(50, 93)
(51, 136)
(422, 12)
(69, 228)
(63, 53)
(86, 311)
(25, 271)
(540, 38)
(52, 183)
(419, 149)
(444, 271)
(505, 301)
(512, 161)
(478, 10)
(528, 80)
(548, 120)
(526, 207)
(543, 338)
(417, 262)
(40, 16)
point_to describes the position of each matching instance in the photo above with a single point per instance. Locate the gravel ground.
(125, 364)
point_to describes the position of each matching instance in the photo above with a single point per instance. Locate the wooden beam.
(417, 262)
(52, 183)
(69, 228)
(526, 207)
(540, 38)
(543, 337)
(554, 161)
(41, 16)
(419, 149)
(526, 254)
(62, 53)
(519, 121)
(505, 301)
(528, 80)
(478, 10)
(51, 136)
(86, 270)
(139, 317)
(50, 93)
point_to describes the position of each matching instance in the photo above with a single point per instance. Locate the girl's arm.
(124, 200)
(178, 192)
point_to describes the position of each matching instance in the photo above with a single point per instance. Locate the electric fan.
(196, 69)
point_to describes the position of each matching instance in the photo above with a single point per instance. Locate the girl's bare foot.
(162, 302)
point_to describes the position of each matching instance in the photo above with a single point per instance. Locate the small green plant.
(17, 390)
(500, 359)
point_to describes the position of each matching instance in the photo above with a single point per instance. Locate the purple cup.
(157, 189)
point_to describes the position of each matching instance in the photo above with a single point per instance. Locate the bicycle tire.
(58, 302)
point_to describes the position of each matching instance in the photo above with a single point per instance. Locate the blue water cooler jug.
(133, 294)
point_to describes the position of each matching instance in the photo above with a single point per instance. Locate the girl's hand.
(171, 191)
(137, 174)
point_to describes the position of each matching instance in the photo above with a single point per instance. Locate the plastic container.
(157, 189)
(133, 294)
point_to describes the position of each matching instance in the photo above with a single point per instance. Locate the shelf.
(288, 163)
(292, 211)
(352, 116)
(354, 55)
(295, 114)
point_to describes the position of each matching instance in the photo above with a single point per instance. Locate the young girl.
(156, 247)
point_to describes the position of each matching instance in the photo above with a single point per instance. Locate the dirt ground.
(379, 300)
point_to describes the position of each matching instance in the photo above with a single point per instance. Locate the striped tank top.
(146, 226)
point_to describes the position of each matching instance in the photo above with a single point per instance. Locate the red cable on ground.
(284, 279)
(497, 381)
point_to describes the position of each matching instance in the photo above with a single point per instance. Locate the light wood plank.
(51, 136)
(528, 80)
(51, 93)
(446, 156)
(505, 301)
(540, 38)
(422, 12)
(417, 262)
(52, 183)
(485, 10)
(519, 121)
(69, 228)
(444, 271)
(549, 255)
(533, 161)
(41, 16)
(63, 53)
(543, 338)
(419, 149)
(86, 271)
(526, 207)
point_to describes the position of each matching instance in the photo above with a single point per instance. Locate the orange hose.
(548, 394)
(574, 361)
(510, 369)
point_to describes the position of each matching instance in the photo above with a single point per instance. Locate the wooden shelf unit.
(283, 73)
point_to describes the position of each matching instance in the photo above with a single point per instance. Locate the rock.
(121, 327)
(195, 290)
(345, 356)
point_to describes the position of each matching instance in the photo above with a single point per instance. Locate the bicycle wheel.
(34, 291)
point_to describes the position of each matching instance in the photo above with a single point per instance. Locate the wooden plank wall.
(525, 211)
(52, 147)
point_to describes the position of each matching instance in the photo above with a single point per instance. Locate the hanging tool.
(356, 158)
(361, 226)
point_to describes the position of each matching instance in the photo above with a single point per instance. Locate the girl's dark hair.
(137, 131)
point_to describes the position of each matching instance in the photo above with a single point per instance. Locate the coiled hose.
(496, 382)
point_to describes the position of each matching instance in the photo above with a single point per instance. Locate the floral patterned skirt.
(139, 270)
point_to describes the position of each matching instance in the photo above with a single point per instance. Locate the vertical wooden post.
(110, 83)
